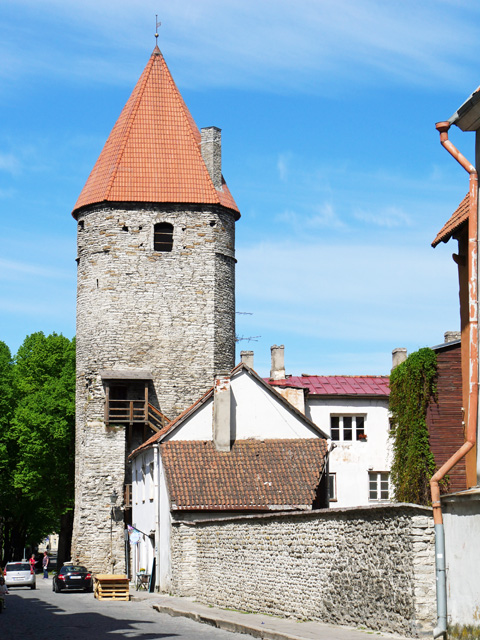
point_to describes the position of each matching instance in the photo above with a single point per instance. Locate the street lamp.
(113, 501)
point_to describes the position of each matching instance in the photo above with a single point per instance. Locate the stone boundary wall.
(371, 567)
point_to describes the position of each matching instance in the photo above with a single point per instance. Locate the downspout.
(471, 428)
(156, 467)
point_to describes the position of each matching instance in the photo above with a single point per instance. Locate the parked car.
(19, 574)
(72, 577)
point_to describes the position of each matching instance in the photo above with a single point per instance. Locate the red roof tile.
(153, 152)
(459, 216)
(337, 385)
(253, 475)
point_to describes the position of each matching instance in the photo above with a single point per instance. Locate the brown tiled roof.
(458, 218)
(253, 475)
(153, 152)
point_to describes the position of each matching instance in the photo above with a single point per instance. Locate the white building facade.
(353, 411)
(241, 448)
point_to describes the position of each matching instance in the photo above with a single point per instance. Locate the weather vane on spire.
(157, 24)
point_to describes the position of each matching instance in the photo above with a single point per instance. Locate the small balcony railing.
(134, 411)
(126, 411)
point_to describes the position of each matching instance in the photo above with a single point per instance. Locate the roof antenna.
(157, 24)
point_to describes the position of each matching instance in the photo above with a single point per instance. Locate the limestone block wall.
(98, 541)
(370, 567)
(171, 313)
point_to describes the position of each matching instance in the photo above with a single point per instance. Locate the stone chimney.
(212, 154)
(221, 412)
(451, 336)
(247, 358)
(277, 371)
(294, 395)
(399, 355)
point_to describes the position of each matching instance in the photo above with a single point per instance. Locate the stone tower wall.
(171, 313)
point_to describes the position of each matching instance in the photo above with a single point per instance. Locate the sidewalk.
(256, 624)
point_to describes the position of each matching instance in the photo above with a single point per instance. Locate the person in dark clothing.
(45, 564)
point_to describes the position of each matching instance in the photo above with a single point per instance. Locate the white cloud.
(282, 166)
(322, 217)
(361, 291)
(389, 217)
(13, 269)
(271, 45)
(9, 163)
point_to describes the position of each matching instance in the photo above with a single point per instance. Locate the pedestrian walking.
(3, 591)
(31, 562)
(45, 564)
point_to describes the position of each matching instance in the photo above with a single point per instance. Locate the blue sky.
(329, 148)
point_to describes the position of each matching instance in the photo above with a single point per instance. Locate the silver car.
(19, 574)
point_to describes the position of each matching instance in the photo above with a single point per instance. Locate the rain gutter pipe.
(471, 427)
(156, 453)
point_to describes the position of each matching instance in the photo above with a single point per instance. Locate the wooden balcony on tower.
(127, 399)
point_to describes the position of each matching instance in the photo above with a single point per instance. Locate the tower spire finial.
(157, 24)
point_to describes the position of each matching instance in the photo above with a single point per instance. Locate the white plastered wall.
(143, 511)
(255, 413)
(352, 461)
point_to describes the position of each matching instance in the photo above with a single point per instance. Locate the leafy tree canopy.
(37, 435)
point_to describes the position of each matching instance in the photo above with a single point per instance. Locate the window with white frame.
(332, 487)
(143, 481)
(378, 486)
(347, 428)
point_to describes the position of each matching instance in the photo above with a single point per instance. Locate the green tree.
(412, 387)
(7, 403)
(40, 439)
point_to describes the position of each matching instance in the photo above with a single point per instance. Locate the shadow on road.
(28, 616)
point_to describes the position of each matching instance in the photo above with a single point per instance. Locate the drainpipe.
(471, 428)
(156, 502)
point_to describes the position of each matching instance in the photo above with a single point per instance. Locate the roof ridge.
(192, 127)
(131, 120)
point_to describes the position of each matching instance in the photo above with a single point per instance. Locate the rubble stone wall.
(369, 567)
(170, 313)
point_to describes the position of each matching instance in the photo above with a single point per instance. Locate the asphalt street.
(41, 614)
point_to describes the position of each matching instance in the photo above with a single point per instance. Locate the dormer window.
(163, 236)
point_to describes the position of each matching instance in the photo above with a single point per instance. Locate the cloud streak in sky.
(276, 45)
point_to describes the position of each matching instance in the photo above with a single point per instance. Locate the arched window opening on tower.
(163, 236)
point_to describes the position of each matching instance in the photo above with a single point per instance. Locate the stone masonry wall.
(171, 313)
(367, 567)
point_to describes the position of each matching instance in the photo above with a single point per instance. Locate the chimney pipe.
(247, 358)
(452, 336)
(211, 145)
(277, 372)
(399, 355)
(221, 412)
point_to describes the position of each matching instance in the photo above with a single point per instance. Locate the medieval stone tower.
(155, 296)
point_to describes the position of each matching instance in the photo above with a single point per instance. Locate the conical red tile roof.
(153, 152)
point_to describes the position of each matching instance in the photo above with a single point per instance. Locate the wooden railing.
(129, 411)
(134, 411)
(156, 419)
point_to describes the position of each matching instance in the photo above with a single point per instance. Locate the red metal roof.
(153, 152)
(459, 216)
(337, 385)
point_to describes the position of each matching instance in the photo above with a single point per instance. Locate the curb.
(226, 625)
